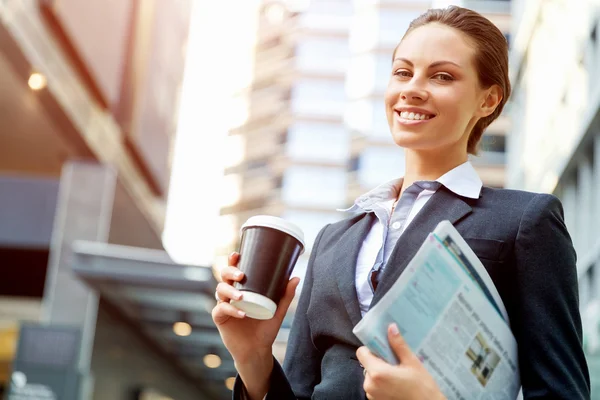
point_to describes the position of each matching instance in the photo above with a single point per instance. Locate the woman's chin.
(409, 140)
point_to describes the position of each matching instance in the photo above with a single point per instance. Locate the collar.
(463, 180)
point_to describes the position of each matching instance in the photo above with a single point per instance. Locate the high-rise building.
(554, 142)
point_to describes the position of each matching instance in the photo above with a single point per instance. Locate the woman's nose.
(413, 91)
(413, 94)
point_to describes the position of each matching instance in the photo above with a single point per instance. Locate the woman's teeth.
(413, 116)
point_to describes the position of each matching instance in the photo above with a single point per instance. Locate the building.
(89, 109)
(554, 142)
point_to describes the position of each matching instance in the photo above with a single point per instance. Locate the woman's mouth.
(409, 117)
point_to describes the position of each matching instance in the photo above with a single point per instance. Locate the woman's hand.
(249, 341)
(408, 380)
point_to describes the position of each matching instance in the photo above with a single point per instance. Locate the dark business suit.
(521, 240)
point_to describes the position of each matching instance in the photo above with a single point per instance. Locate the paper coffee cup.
(269, 250)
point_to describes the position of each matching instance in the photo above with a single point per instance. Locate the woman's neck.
(429, 166)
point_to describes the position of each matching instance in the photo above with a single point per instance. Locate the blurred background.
(136, 137)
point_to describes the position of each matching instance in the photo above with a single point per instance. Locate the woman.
(448, 82)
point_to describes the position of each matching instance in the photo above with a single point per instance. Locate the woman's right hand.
(249, 340)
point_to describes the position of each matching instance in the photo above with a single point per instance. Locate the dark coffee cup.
(269, 250)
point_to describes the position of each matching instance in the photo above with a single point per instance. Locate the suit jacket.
(522, 241)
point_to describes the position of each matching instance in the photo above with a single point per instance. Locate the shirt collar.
(462, 180)
(382, 193)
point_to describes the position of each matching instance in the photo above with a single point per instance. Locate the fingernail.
(237, 274)
(232, 254)
(394, 329)
(237, 295)
(241, 313)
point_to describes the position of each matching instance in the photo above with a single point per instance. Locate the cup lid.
(281, 224)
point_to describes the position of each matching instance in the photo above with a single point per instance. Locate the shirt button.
(396, 225)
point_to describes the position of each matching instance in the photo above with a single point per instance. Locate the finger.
(222, 312)
(368, 387)
(369, 360)
(226, 292)
(231, 274)
(287, 298)
(400, 347)
(233, 259)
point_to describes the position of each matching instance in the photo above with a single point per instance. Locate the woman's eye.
(444, 77)
(402, 73)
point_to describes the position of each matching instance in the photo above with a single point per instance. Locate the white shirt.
(462, 180)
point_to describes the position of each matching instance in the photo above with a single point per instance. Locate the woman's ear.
(493, 97)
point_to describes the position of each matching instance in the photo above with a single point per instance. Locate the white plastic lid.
(276, 223)
(256, 305)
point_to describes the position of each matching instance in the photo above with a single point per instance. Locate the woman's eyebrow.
(434, 64)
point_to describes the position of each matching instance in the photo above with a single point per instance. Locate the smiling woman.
(448, 82)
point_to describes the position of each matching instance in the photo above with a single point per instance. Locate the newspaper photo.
(451, 315)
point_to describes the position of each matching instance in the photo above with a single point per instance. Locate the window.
(379, 165)
(278, 183)
(364, 33)
(327, 16)
(359, 115)
(318, 142)
(353, 164)
(368, 117)
(319, 97)
(313, 186)
(256, 164)
(322, 55)
(361, 79)
(379, 27)
(368, 74)
(310, 223)
(393, 25)
(283, 137)
(495, 143)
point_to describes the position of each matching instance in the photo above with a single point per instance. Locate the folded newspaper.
(451, 315)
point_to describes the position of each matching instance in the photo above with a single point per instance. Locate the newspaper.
(451, 315)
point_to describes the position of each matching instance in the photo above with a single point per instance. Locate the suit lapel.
(345, 257)
(443, 205)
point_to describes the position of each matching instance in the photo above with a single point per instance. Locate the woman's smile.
(412, 116)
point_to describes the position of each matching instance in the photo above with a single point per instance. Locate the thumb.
(399, 345)
(286, 300)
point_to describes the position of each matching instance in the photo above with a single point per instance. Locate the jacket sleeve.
(548, 324)
(302, 366)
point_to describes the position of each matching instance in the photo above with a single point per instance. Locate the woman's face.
(433, 98)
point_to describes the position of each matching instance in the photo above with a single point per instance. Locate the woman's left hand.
(408, 380)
